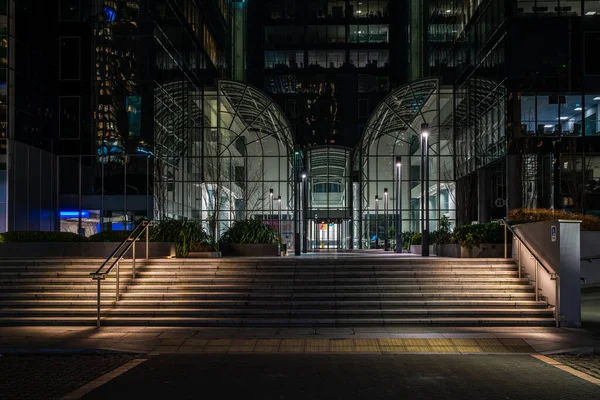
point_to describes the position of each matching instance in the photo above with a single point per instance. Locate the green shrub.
(251, 231)
(182, 233)
(443, 235)
(40, 236)
(526, 215)
(111, 236)
(470, 236)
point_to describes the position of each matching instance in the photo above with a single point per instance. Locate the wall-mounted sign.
(553, 233)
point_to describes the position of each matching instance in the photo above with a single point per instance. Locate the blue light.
(74, 214)
(109, 14)
(144, 151)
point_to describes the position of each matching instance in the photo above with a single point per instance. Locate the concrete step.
(143, 280)
(256, 288)
(259, 282)
(109, 293)
(283, 322)
(276, 313)
(266, 304)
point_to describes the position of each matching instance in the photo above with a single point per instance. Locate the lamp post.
(398, 204)
(272, 216)
(425, 190)
(304, 209)
(385, 225)
(376, 222)
(279, 214)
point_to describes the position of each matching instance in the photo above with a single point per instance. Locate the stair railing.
(538, 263)
(114, 259)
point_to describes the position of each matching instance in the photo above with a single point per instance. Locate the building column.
(483, 197)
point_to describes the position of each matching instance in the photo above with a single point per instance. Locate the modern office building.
(526, 89)
(327, 63)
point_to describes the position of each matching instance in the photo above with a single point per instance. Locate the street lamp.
(425, 190)
(385, 212)
(279, 214)
(272, 216)
(376, 222)
(304, 210)
(398, 204)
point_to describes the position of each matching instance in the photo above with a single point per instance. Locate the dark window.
(69, 10)
(69, 117)
(70, 57)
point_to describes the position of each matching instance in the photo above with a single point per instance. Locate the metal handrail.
(553, 275)
(117, 255)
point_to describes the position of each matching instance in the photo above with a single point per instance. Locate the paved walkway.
(152, 340)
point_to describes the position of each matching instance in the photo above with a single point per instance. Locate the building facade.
(526, 90)
(327, 63)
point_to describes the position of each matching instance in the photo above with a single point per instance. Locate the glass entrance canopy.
(235, 159)
(394, 129)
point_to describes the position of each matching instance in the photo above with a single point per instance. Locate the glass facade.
(394, 130)
(339, 49)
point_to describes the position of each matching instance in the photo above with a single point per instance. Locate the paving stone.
(587, 363)
(52, 376)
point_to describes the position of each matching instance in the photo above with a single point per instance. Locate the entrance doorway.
(329, 234)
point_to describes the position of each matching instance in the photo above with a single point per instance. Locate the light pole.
(279, 214)
(399, 205)
(272, 216)
(304, 209)
(425, 190)
(385, 213)
(376, 222)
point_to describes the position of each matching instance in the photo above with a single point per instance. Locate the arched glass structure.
(394, 129)
(228, 157)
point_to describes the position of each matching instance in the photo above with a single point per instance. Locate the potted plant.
(475, 241)
(250, 238)
(183, 234)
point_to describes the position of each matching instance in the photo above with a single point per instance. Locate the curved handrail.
(505, 223)
(133, 236)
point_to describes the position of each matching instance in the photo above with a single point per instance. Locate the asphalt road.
(353, 376)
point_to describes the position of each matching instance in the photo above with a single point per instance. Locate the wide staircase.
(288, 291)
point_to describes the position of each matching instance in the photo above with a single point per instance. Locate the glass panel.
(592, 118)
(547, 115)
(571, 108)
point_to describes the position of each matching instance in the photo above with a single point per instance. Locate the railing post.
(505, 239)
(133, 263)
(98, 306)
(147, 238)
(117, 293)
(519, 256)
(537, 296)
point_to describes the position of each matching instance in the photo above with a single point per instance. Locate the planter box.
(416, 249)
(79, 250)
(204, 254)
(486, 251)
(250, 250)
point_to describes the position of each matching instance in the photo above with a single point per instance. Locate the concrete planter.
(489, 250)
(80, 250)
(250, 250)
(204, 254)
(416, 249)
